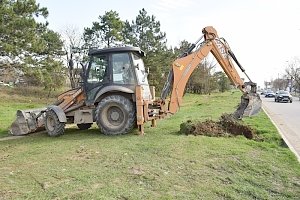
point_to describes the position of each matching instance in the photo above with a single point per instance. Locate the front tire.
(115, 115)
(52, 124)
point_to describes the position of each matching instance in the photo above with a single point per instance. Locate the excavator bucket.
(254, 105)
(28, 121)
(250, 105)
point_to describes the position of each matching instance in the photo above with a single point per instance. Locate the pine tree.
(30, 45)
(144, 32)
(105, 33)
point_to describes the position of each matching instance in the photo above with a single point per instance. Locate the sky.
(263, 34)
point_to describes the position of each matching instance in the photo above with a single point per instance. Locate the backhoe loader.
(116, 95)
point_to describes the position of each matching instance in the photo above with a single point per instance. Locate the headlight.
(280, 96)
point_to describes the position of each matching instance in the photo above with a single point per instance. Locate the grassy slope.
(160, 165)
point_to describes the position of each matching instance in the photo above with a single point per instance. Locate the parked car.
(283, 96)
(269, 93)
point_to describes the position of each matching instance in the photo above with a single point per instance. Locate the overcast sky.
(263, 34)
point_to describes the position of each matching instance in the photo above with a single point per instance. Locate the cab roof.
(117, 50)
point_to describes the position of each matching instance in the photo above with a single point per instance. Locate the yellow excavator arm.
(183, 67)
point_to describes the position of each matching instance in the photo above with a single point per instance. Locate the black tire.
(52, 124)
(115, 115)
(84, 126)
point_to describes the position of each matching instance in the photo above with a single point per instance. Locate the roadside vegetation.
(163, 164)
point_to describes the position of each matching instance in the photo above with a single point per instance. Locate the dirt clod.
(227, 126)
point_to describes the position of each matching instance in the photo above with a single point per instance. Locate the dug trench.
(226, 126)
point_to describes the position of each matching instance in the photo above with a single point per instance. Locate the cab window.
(98, 69)
(122, 69)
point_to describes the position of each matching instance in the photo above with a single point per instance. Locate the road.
(286, 117)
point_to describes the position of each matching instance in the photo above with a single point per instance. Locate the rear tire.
(84, 126)
(115, 115)
(52, 124)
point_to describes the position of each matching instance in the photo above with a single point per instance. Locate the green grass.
(13, 99)
(163, 164)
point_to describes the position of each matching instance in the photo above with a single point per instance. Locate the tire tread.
(128, 106)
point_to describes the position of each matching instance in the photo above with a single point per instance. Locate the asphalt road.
(286, 117)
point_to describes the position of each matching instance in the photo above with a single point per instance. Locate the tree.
(145, 33)
(45, 66)
(293, 73)
(29, 44)
(202, 81)
(280, 83)
(18, 27)
(222, 81)
(183, 47)
(159, 63)
(105, 33)
(73, 44)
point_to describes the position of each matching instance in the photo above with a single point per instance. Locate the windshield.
(283, 92)
(122, 69)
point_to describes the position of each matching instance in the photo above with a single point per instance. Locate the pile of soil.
(227, 126)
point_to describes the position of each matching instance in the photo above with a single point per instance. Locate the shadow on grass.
(283, 144)
(177, 132)
(70, 134)
(4, 133)
(95, 132)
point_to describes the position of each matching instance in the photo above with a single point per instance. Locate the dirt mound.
(226, 126)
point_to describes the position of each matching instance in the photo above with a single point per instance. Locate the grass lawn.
(163, 164)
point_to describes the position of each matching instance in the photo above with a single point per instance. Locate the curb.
(281, 134)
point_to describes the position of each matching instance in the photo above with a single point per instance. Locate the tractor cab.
(118, 69)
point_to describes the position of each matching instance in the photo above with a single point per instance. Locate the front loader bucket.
(28, 121)
(250, 105)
